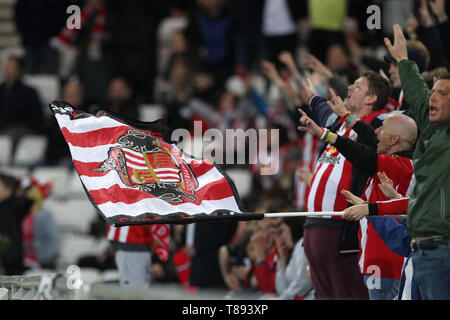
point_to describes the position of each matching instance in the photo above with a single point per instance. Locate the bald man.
(398, 133)
(396, 140)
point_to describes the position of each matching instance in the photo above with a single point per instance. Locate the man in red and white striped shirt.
(396, 139)
(331, 245)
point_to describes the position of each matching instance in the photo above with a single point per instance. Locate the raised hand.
(438, 8)
(411, 25)
(308, 89)
(336, 104)
(387, 186)
(286, 58)
(351, 198)
(309, 125)
(282, 251)
(271, 72)
(398, 50)
(289, 89)
(425, 16)
(316, 65)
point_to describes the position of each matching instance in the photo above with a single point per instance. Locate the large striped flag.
(133, 175)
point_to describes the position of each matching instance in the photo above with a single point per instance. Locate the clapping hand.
(387, 186)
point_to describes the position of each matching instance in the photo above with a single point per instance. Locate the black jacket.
(209, 237)
(20, 105)
(12, 212)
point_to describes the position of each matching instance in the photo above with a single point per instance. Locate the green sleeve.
(416, 92)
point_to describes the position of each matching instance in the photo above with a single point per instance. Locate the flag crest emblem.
(151, 165)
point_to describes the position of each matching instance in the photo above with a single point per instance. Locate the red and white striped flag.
(134, 176)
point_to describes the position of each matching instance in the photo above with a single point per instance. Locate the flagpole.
(320, 214)
(302, 214)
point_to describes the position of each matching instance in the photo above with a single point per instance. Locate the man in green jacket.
(428, 220)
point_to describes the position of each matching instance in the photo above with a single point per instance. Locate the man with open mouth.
(428, 220)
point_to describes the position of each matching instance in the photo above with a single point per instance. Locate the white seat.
(58, 176)
(150, 112)
(72, 215)
(6, 149)
(75, 246)
(242, 179)
(30, 150)
(110, 275)
(47, 86)
(18, 172)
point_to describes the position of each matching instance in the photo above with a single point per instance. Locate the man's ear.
(371, 99)
(395, 139)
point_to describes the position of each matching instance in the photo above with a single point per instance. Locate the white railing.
(54, 286)
(50, 286)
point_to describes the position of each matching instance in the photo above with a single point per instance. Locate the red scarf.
(68, 36)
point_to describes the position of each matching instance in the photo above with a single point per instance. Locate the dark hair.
(10, 182)
(379, 86)
(296, 226)
(445, 76)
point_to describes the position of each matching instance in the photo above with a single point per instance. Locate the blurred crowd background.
(184, 61)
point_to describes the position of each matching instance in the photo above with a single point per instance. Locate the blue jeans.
(432, 272)
(386, 290)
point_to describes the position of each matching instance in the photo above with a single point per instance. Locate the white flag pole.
(302, 214)
(320, 214)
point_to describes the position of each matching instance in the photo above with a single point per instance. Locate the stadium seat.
(110, 275)
(57, 175)
(30, 150)
(74, 246)
(242, 179)
(47, 86)
(18, 172)
(6, 150)
(150, 112)
(73, 216)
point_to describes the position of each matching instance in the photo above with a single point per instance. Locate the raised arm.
(360, 127)
(414, 86)
(358, 154)
(320, 110)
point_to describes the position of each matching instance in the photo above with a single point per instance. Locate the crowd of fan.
(230, 64)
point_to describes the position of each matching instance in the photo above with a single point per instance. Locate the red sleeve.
(399, 169)
(265, 277)
(393, 206)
